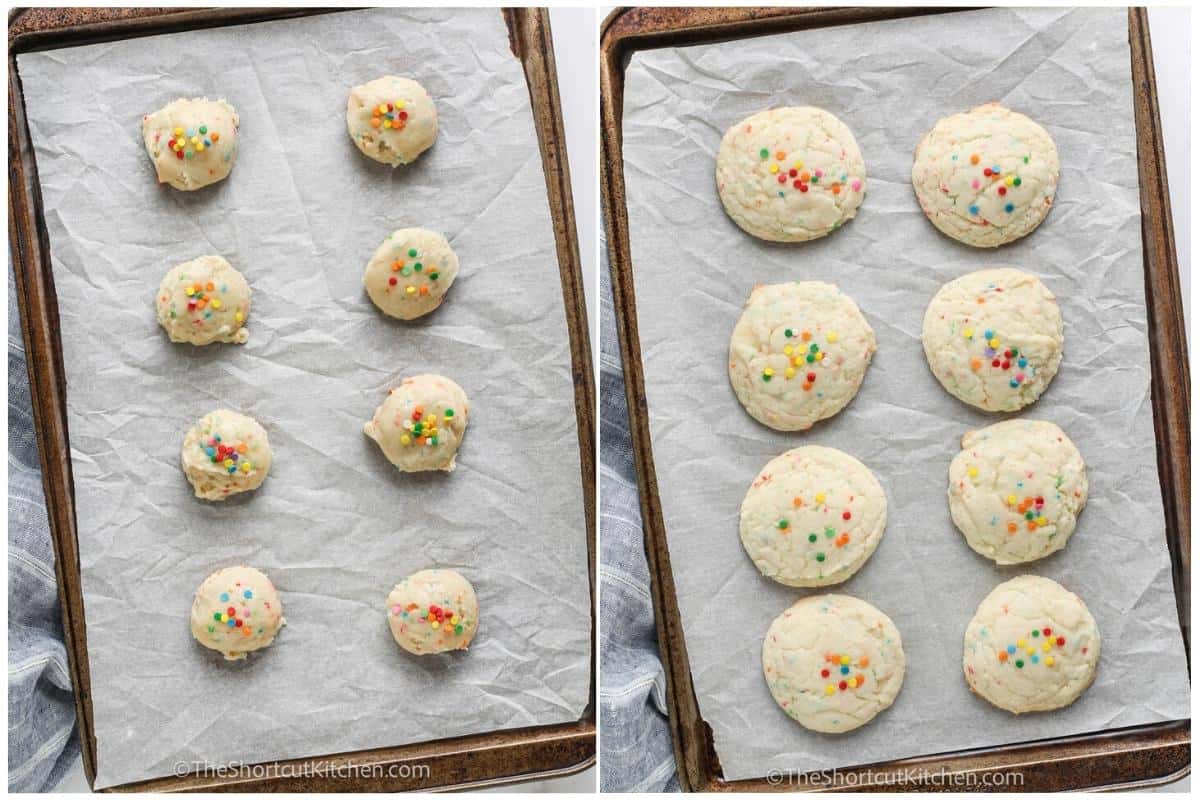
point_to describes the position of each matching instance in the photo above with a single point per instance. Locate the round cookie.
(1032, 646)
(790, 174)
(391, 119)
(812, 517)
(236, 611)
(421, 423)
(994, 338)
(225, 453)
(1016, 489)
(833, 662)
(202, 301)
(798, 353)
(410, 273)
(987, 176)
(433, 611)
(193, 143)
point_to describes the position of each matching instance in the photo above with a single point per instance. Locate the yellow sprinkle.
(820, 497)
(239, 316)
(1020, 642)
(1049, 661)
(454, 619)
(844, 659)
(411, 290)
(245, 466)
(829, 689)
(1046, 646)
(973, 472)
(797, 361)
(195, 140)
(820, 356)
(387, 123)
(189, 291)
(768, 372)
(229, 462)
(1012, 499)
(216, 303)
(435, 624)
(1042, 522)
(1030, 650)
(790, 372)
(200, 147)
(968, 333)
(831, 337)
(1009, 180)
(406, 439)
(852, 683)
(179, 131)
(788, 349)
(798, 165)
(399, 104)
(224, 618)
(774, 168)
(383, 108)
(994, 342)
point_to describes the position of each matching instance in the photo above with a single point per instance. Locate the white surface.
(334, 526)
(693, 269)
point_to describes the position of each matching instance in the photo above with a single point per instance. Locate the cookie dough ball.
(225, 453)
(798, 353)
(994, 338)
(987, 176)
(833, 662)
(410, 273)
(192, 143)
(1032, 646)
(790, 174)
(812, 517)
(1016, 490)
(236, 611)
(433, 611)
(204, 301)
(391, 119)
(421, 423)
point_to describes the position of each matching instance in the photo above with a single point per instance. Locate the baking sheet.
(693, 268)
(334, 526)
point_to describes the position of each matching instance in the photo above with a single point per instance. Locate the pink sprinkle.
(856, 185)
(1020, 377)
(818, 173)
(395, 611)
(975, 184)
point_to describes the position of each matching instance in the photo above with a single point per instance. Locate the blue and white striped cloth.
(636, 754)
(42, 742)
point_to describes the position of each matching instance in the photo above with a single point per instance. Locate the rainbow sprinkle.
(1037, 649)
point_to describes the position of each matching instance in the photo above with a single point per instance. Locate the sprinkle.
(973, 472)
(783, 525)
(973, 209)
(820, 557)
(1009, 207)
(1016, 181)
(820, 498)
(764, 154)
(974, 158)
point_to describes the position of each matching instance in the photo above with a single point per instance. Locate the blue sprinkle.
(247, 594)
(973, 209)
(954, 157)
(232, 470)
(215, 436)
(1013, 384)
(845, 670)
(232, 622)
(1034, 659)
(1008, 207)
(207, 143)
(987, 334)
(1012, 648)
(224, 597)
(1021, 362)
(209, 451)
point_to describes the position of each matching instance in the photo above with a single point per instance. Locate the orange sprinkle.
(374, 122)
(397, 266)
(1031, 525)
(864, 662)
(424, 290)
(976, 364)
(201, 303)
(419, 410)
(216, 137)
(974, 158)
(807, 386)
(246, 631)
(806, 336)
(241, 448)
(420, 440)
(804, 176)
(196, 287)
(797, 502)
(1012, 527)
(1003, 655)
(780, 155)
(836, 188)
(981, 301)
(210, 287)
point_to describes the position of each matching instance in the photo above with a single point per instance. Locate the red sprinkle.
(995, 362)
(782, 178)
(231, 611)
(799, 184)
(803, 187)
(1060, 641)
(845, 515)
(238, 623)
(824, 673)
(987, 171)
(842, 685)
(391, 281)
(1046, 631)
(792, 173)
(811, 377)
(1006, 364)
(1002, 191)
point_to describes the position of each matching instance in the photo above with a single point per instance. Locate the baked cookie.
(987, 176)
(798, 353)
(410, 273)
(812, 517)
(225, 453)
(994, 338)
(433, 611)
(790, 174)
(1016, 489)
(1032, 646)
(391, 119)
(204, 300)
(236, 611)
(833, 662)
(193, 143)
(421, 423)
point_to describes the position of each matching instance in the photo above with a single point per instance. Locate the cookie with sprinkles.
(433, 611)
(790, 174)
(193, 143)
(987, 176)
(798, 353)
(812, 517)
(1031, 646)
(833, 662)
(225, 453)
(410, 273)
(994, 338)
(202, 301)
(1016, 490)
(391, 119)
(421, 424)
(236, 611)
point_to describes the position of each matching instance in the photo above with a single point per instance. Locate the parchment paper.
(335, 526)
(693, 269)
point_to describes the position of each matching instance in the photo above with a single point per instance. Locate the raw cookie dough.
(204, 300)
(391, 119)
(798, 353)
(225, 453)
(433, 611)
(790, 174)
(1032, 646)
(987, 176)
(236, 611)
(192, 143)
(1016, 489)
(410, 273)
(833, 662)
(421, 423)
(812, 517)
(994, 338)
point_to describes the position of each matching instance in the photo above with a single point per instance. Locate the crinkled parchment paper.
(693, 268)
(335, 526)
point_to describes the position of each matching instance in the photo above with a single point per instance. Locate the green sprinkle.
(417, 266)
(812, 537)
(1026, 159)
(412, 253)
(203, 129)
(764, 154)
(820, 556)
(782, 524)
(1016, 181)
(829, 532)
(812, 348)
(810, 358)
(787, 332)
(1020, 663)
(433, 276)
(449, 412)
(1035, 633)
(217, 616)
(458, 628)
(815, 179)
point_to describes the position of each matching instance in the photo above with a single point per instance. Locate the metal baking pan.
(470, 761)
(1140, 756)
